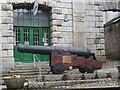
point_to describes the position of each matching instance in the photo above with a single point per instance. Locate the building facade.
(57, 22)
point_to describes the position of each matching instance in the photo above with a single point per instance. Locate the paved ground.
(111, 64)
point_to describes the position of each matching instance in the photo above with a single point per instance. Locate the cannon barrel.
(47, 50)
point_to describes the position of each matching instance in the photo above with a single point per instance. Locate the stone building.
(57, 22)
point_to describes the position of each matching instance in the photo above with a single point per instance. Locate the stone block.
(65, 24)
(102, 52)
(95, 8)
(60, 16)
(98, 13)
(79, 7)
(70, 17)
(54, 28)
(3, 1)
(7, 33)
(49, 78)
(55, 40)
(92, 24)
(6, 14)
(54, 4)
(61, 40)
(54, 84)
(57, 34)
(7, 20)
(97, 41)
(57, 10)
(7, 46)
(100, 35)
(7, 63)
(0, 53)
(0, 46)
(57, 22)
(4, 53)
(91, 35)
(64, 11)
(6, 26)
(10, 40)
(98, 24)
(100, 46)
(7, 7)
(70, 23)
(69, 29)
(61, 28)
(10, 53)
(67, 35)
(102, 41)
(101, 30)
(91, 12)
(54, 16)
(70, 11)
(4, 40)
(61, 5)
(69, 40)
(68, 5)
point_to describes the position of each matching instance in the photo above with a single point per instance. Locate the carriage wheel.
(58, 68)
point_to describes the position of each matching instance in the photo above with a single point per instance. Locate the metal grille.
(45, 36)
(26, 36)
(36, 37)
(16, 36)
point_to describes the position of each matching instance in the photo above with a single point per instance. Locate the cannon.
(61, 58)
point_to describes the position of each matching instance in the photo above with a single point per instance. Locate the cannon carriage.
(61, 58)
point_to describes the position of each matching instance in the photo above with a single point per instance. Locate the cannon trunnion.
(64, 57)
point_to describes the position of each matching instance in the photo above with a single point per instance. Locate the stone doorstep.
(67, 76)
(50, 84)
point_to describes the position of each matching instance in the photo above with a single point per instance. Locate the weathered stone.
(98, 24)
(60, 16)
(6, 14)
(56, 22)
(10, 40)
(4, 40)
(100, 46)
(57, 34)
(7, 20)
(7, 63)
(54, 16)
(69, 29)
(54, 28)
(61, 28)
(54, 4)
(6, 26)
(4, 53)
(56, 10)
(68, 5)
(10, 53)
(55, 40)
(7, 46)
(49, 78)
(64, 11)
(7, 7)
(0, 54)
(7, 33)
(61, 40)
(100, 35)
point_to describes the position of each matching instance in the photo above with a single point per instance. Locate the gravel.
(104, 83)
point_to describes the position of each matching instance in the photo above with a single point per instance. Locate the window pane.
(26, 17)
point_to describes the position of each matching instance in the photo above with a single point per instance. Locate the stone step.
(43, 65)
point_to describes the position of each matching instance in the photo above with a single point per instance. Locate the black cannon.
(63, 57)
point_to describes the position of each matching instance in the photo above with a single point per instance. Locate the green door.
(30, 36)
(30, 30)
